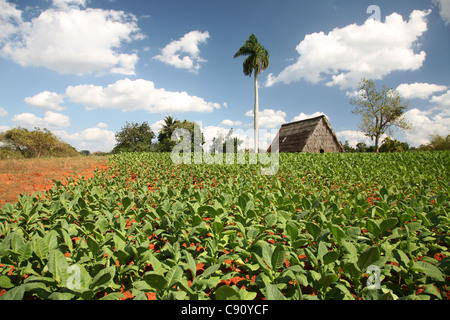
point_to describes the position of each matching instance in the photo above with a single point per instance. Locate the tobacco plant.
(320, 228)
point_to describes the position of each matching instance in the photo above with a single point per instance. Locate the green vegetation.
(147, 228)
(22, 143)
(380, 110)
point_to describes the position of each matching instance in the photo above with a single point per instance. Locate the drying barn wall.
(322, 139)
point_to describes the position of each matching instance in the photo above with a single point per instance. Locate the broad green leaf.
(338, 233)
(15, 293)
(313, 229)
(278, 257)
(429, 270)
(191, 263)
(368, 257)
(273, 293)
(155, 280)
(103, 278)
(373, 227)
(57, 265)
(330, 257)
(173, 276)
(226, 293)
(40, 247)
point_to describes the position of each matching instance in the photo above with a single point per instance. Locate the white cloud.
(10, 18)
(156, 127)
(92, 139)
(102, 125)
(132, 95)
(442, 101)
(303, 116)
(81, 42)
(246, 136)
(3, 112)
(4, 128)
(425, 124)
(46, 100)
(419, 90)
(231, 123)
(184, 53)
(345, 55)
(49, 121)
(353, 137)
(444, 6)
(69, 4)
(269, 118)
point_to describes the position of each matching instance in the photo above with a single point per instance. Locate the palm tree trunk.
(256, 114)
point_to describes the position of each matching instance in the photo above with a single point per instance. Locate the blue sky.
(83, 68)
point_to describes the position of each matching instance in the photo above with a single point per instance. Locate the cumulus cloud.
(345, 55)
(353, 137)
(442, 101)
(46, 100)
(82, 41)
(92, 139)
(303, 116)
(50, 120)
(184, 53)
(10, 18)
(444, 9)
(269, 118)
(230, 123)
(3, 112)
(425, 123)
(132, 95)
(419, 90)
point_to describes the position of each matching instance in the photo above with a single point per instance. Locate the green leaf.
(368, 257)
(126, 202)
(273, 293)
(313, 229)
(191, 263)
(156, 281)
(25, 252)
(388, 224)
(40, 247)
(338, 233)
(373, 228)
(278, 257)
(210, 270)
(14, 294)
(429, 270)
(57, 265)
(330, 257)
(103, 278)
(227, 293)
(173, 276)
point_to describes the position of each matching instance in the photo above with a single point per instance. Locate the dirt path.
(26, 176)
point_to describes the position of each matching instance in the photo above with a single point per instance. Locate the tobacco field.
(326, 227)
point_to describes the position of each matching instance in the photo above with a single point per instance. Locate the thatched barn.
(313, 135)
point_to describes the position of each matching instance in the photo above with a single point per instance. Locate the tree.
(165, 134)
(134, 138)
(390, 145)
(437, 143)
(36, 144)
(256, 62)
(380, 111)
(195, 132)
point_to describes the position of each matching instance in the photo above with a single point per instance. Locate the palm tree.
(257, 61)
(165, 134)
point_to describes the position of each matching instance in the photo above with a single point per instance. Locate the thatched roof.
(302, 136)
